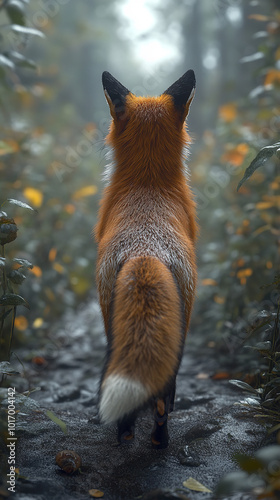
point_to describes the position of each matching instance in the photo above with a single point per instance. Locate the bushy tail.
(146, 338)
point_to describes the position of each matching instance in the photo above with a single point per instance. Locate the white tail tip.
(119, 397)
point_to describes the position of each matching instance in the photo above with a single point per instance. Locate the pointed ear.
(182, 93)
(115, 94)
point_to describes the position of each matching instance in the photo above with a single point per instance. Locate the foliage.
(243, 256)
(264, 399)
(49, 159)
(41, 168)
(14, 34)
(257, 162)
(259, 475)
(11, 277)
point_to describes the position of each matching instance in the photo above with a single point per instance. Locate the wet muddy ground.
(206, 429)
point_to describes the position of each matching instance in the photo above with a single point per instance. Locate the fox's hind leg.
(126, 429)
(171, 398)
(163, 406)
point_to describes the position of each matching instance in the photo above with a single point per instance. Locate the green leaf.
(263, 346)
(26, 31)
(243, 385)
(12, 299)
(7, 369)
(21, 60)
(57, 421)
(260, 159)
(20, 204)
(253, 57)
(247, 463)
(16, 277)
(6, 62)
(15, 10)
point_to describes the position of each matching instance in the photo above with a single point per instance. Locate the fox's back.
(146, 270)
(147, 222)
(147, 208)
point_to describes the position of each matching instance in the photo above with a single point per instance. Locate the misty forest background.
(53, 121)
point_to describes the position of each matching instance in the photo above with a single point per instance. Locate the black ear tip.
(190, 77)
(106, 78)
(114, 89)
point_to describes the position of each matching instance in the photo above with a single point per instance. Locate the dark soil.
(205, 430)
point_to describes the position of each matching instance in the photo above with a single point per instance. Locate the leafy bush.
(243, 258)
(41, 168)
(11, 278)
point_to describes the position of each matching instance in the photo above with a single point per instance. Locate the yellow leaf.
(235, 155)
(70, 208)
(259, 17)
(34, 196)
(37, 323)
(37, 271)
(261, 229)
(274, 185)
(52, 254)
(277, 54)
(67, 258)
(96, 493)
(240, 262)
(9, 146)
(194, 485)
(21, 323)
(85, 191)
(274, 199)
(58, 267)
(50, 295)
(80, 285)
(242, 148)
(219, 300)
(263, 205)
(228, 112)
(244, 273)
(272, 76)
(209, 282)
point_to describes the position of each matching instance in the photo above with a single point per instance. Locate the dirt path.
(205, 430)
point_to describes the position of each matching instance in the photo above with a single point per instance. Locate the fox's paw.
(160, 436)
(126, 436)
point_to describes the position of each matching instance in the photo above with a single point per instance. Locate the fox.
(146, 263)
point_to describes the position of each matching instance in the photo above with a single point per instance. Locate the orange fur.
(146, 271)
(146, 323)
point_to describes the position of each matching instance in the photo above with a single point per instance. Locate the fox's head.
(125, 106)
(148, 130)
